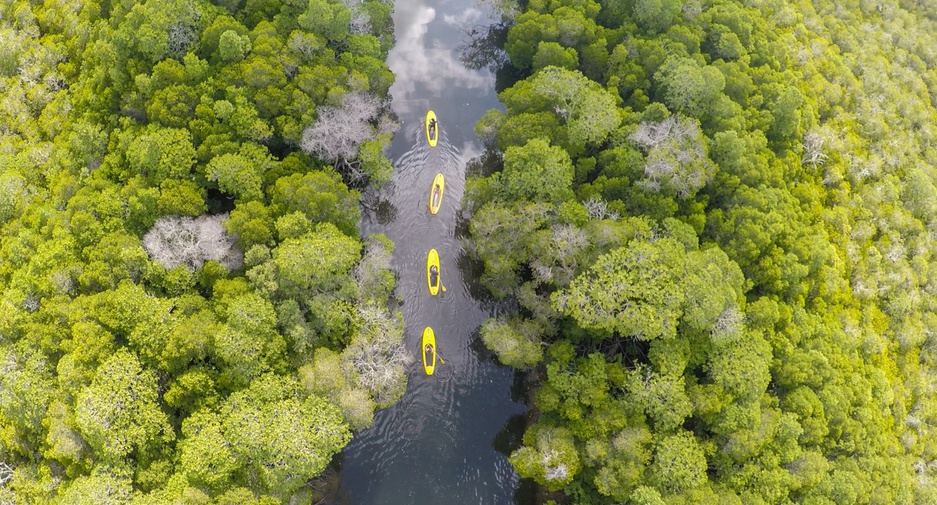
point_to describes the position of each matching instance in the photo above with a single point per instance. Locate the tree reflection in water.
(484, 48)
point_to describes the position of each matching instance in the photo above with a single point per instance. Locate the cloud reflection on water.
(424, 68)
(467, 16)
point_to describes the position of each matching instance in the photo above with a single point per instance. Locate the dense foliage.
(718, 219)
(187, 311)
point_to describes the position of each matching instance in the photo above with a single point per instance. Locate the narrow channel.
(437, 444)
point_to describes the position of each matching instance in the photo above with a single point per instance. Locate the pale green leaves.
(317, 261)
(118, 413)
(233, 47)
(742, 368)
(377, 356)
(656, 15)
(207, 458)
(251, 223)
(320, 196)
(741, 159)
(181, 198)
(240, 174)
(549, 456)
(634, 290)
(562, 105)
(326, 376)
(64, 443)
(788, 124)
(536, 172)
(664, 399)
(553, 54)
(357, 408)
(162, 153)
(804, 403)
(249, 345)
(919, 192)
(273, 433)
(679, 462)
(328, 19)
(369, 373)
(713, 284)
(12, 194)
(646, 289)
(645, 495)
(589, 111)
(373, 273)
(621, 462)
(688, 87)
(100, 488)
(516, 341)
(501, 235)
(161, 28)
(26, 387)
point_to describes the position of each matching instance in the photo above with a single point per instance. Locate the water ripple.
(436, 444)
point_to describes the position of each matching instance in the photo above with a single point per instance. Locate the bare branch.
(598, 209)
(175, 241)
(813, 148)
(728, 326)
(676, 157)
(339, 132)
(6, 472)
(378, 356)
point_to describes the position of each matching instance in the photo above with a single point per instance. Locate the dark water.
(444, 441)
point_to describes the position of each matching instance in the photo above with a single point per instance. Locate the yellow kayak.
(429, 351)
(432, 134)
(436, 192)
(433, 261)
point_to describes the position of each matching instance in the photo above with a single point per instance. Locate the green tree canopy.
(634, 290)
(282, 437)
(118, 413)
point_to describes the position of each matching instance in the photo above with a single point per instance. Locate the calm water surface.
(438, 443)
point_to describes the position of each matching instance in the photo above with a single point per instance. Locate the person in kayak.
(433, 275)
(436, 193)
(432, 128)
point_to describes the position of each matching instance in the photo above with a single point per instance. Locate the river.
(446, 440)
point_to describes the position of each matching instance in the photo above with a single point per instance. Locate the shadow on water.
(478, 347)
(378, 208)
(528, 493)
(508, 76)
(472, 269)
(510, 438)
(488, 163)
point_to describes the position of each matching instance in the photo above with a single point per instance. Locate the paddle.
(441, 285)
(441, 361)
